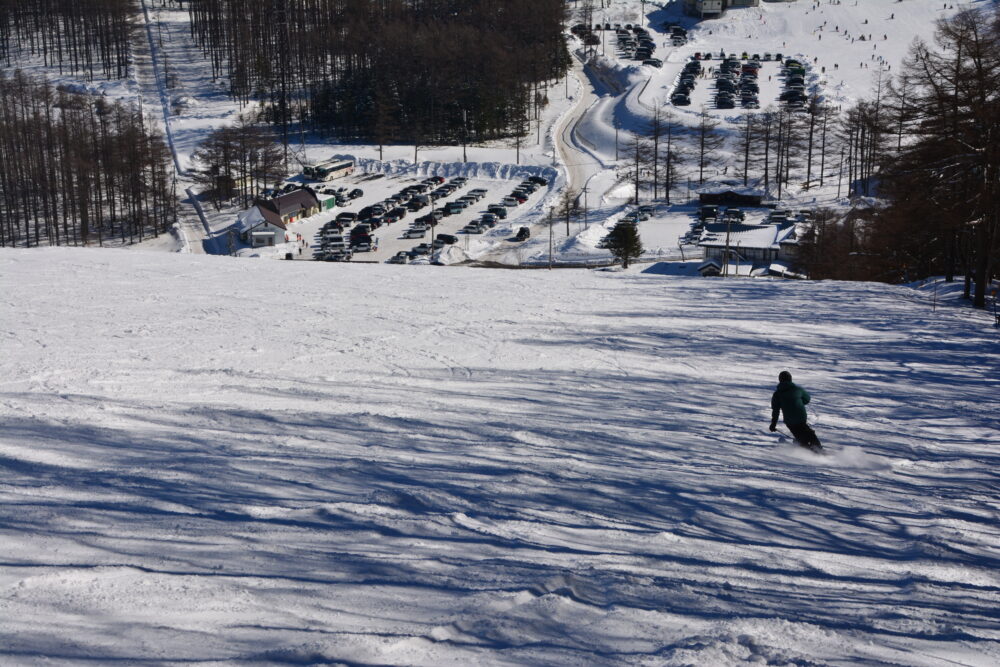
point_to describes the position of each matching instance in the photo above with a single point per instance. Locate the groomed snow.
(209, 460)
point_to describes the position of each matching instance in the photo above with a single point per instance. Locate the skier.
(791, 399)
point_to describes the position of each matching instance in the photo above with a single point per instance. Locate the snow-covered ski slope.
(208, 460)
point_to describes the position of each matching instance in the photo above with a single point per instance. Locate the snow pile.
(226, 461)
(450, 254)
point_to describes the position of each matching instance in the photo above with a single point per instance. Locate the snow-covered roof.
(782, 269)
(253, 217)
(739, 190)
(746, 236)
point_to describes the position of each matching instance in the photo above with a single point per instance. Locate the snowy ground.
(207, 463)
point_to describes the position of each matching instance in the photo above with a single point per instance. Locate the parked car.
(510, 201)
(499, 210)
(653, 62)
(415, 233)
(364, 243)
(338, 255)
(421, 249)
(523, 234)
(400, 257)
(538, 180)
(334, 240)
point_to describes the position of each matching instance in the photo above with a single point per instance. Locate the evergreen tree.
(624, 242)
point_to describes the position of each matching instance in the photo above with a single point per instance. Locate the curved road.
(580, 164)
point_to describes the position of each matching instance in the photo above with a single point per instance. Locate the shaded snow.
(216, 460)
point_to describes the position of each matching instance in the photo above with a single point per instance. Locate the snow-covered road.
(578, 163)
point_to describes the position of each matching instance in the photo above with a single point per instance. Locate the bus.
(327, 171)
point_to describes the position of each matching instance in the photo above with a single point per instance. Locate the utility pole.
(550, 239)
(464, 131)
(840, 175)
(616, 139)
(585, 190)
(725, 269)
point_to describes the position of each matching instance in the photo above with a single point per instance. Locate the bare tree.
(708, 142)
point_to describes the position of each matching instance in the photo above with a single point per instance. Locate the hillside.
(207, 460)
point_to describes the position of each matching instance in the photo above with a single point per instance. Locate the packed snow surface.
(209, 460)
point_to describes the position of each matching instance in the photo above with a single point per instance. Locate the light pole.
(464, 131)
(550, 239)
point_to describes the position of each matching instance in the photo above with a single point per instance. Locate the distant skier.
(791, 400)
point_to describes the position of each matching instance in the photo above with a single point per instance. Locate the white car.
(510, 202)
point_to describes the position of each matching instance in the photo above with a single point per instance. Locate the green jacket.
(791, 399)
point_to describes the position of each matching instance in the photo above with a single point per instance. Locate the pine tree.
(624, 243)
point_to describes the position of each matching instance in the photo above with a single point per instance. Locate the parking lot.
(746, 82)
(391, 236)
(727, 81)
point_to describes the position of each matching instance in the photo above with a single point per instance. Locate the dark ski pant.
(804, 434)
